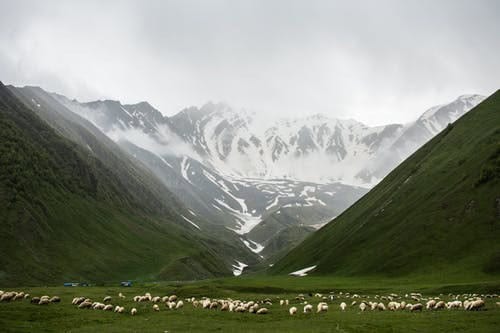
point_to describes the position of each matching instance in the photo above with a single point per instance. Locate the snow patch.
(238, 269)
(188, 220)
(303, 272)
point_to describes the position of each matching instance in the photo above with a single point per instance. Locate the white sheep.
(156, 299)
(156, 307)
(322, 307)
(179, 305)
(381, 306)
(308, 308)
(107, 299)
(475, 305)
(343, 306)
(362, 306)
(293, 310)
(172, 298)
(133, 312)
(262, 311)
(416, 307)
(430, 304)
(108, 307)
(439, 305)
(121, 295)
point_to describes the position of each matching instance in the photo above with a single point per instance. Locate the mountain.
(79, 209)
(241, 173)
(436, 214)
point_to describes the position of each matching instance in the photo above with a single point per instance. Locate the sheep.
(121, 309)
(454, 304)
(6, 297)
(282, 302)
(439, 305)
(107, 299)
(85, 305)
(26, 296)
(156, 307)
(108, 307)
(43, 301)
(343, 306)
(172, 298)
(381, 307)
(179, 305)
(308, 308)
(55, 299)
(353, 303)
(475, 305)
(393, 306)
(99, 306)
(137, 298)
(225, 307)
(286, 302)
(402, 305)
(262, 311)
(430, 304)
(322, 307)
(19, 295)
(362, 306)
(133, 312)
(292, 310)
(117, 308)
(35, 300)
(156, 299)
(416, 307)
(121, 295)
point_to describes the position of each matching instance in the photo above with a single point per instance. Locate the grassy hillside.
(65, 216)
(437, 214)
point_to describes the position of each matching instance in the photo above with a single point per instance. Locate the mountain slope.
(66, 216)
(436, 213)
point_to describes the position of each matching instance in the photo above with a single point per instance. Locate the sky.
(377, 62)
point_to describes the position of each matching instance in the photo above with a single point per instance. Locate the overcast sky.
(374, 61)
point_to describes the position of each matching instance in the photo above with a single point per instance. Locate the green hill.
(65, 215)
(437, 214)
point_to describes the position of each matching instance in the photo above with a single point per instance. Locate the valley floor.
(21, 316)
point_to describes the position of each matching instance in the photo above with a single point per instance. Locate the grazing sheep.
(7, 296)
(343, 306)
(416, 307)
(353, 303)
(402, 305)
(454, 305)
(156, 307)
(121, 309)
(99, 306)
(26, 296)
(322, 307)
(293, 310)
(133, 312)
(381, 307)
(43, 301)
(121, 295)
(107, 299)
(362, 306)
(308, 308)
(179, 305)
(35, 300)
(286, 302)
(156, 299)
(85, 305)
(262, 311)
(430, 304)
(117, 308)
(55, 299)
(108, 307)
(172, 298)
(439, 305)
(475, 305)
(282, 302)
(393, 306)
(137, 298)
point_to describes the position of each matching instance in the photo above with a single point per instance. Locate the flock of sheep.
(410, 302)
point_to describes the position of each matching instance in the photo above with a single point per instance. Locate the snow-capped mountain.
(241, 172)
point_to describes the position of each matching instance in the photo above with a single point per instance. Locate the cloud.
(378, 62)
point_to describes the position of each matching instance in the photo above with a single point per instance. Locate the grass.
(21, 316)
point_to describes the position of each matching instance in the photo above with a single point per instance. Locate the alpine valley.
(248, 189)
